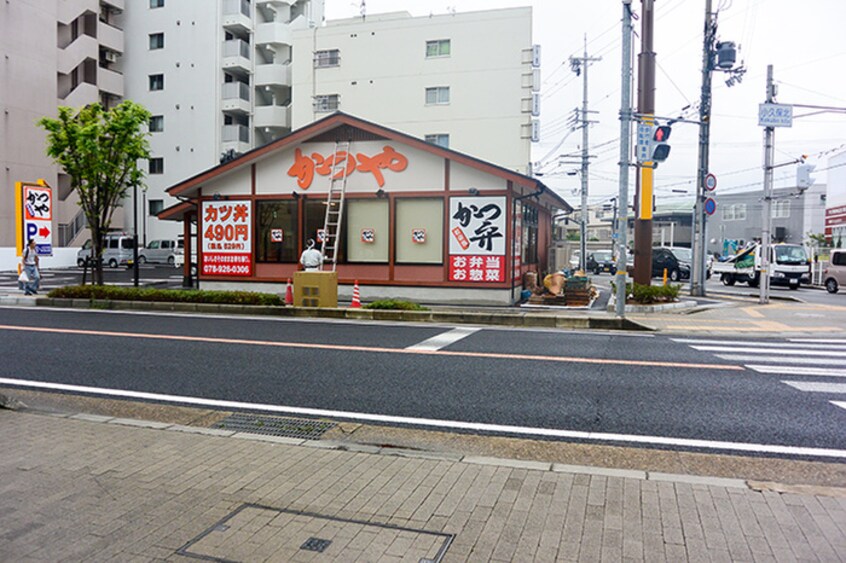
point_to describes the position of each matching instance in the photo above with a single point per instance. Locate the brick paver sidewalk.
(97, 489)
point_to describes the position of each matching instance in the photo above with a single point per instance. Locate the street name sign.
(775, 115)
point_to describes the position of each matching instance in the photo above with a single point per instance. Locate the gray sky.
(805, 42)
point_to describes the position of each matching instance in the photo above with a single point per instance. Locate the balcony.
(235, 137)
(80, 96)
(236, 16)
(273, 33)
(273, 75)
(69, 11)
(236, 97)
(236, 56)
(83, 47)
(110, 81)
(272, 116)
(110, 36)
(117, 5)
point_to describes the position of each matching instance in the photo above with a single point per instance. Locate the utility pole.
(697, 275)
(580, 65)
(769, 154)
(621, 207)
(646, 108)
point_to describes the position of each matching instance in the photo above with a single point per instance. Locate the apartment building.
(54, 52)
(216, 75)
(464, 81)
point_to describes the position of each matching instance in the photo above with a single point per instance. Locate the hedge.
(114, 293)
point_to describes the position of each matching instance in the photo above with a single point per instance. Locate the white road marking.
(820, 340)
(444, 339)
(781, 351)
(796, 346)
(751, 358)
(817, 387)
(841, 404)
(796, 370)
(451, 424)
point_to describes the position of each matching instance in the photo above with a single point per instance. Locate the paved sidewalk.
(89, 488)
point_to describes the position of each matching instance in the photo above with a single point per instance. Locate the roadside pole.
(769, 152)
(700, 244)
(646, 109)
(621, 209)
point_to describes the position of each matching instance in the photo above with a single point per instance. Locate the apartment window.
(330, 57)
(440, 139)
(157, 165)
(437, 95)
(157, 124)
(728, 213)
(739, 212)
(325, 103)
(156, 82)
(156, 205)
(156, 41)
(781, 209)
(156, 3)
(437, 48)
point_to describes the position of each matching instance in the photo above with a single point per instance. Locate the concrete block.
(265, 438)
(198, 430)
(601, 471)
(698, 480)
(512, 463)
(139, 423)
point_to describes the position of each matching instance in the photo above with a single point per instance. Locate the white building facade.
(216, 75)
(464, 81)
(56, 53)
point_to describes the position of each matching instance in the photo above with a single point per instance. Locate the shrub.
(165, 295)
(396, 304)
(646, 294)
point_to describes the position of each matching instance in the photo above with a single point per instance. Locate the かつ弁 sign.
(477, 239)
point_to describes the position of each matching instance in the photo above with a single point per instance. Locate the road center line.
(379, 350)
(444, 339)
(450, 424)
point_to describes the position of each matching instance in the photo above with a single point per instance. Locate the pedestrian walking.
(30, 269)
(311, 258)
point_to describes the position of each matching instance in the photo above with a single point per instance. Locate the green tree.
(100, 150)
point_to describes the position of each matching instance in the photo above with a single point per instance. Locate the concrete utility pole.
(700, 243)
(646, 108)
(769, 154)
(580, 64)
(621, 207)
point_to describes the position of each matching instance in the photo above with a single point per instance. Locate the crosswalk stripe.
(444, 339)
(781, 351)
(796, 370)
(781, 345)
(820, 340)
(841, 404)
(753, 358)
(817, 387)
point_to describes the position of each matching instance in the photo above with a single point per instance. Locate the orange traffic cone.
(356, 302)
(289, 294)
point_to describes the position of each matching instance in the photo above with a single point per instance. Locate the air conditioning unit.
(110, 56)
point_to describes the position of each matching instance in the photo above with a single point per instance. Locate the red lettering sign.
(305, 166)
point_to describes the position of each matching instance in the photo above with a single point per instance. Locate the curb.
(517, 319)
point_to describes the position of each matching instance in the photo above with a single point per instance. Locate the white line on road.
(817, 387)
(451, 424)
(751, 358)
(444, 339)
(781, 351)
(821, 340)
(783, 345)
(841, 404)
(796, 370)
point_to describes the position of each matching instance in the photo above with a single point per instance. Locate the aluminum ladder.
(335, 205)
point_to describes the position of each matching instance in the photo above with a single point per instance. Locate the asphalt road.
(603, 387)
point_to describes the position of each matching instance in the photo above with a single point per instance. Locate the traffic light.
(803, 175)
(660, 148)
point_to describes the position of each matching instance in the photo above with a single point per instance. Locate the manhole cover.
(255, 533)
(302, 428)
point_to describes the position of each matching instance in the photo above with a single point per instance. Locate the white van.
(117, 251)
(161, 251)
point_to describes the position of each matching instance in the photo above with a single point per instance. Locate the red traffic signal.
(662, 134)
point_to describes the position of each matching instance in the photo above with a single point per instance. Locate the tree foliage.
(100, 150)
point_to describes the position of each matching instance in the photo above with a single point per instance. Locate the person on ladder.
(311, 258)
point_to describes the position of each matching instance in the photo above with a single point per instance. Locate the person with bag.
(30, 269)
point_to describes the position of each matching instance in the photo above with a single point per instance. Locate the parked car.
(600, 261)
(117, 251)
(834, 274)
(676, 260)
(161, 251)
(179, 257)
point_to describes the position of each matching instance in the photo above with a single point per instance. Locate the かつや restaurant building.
(419, 221)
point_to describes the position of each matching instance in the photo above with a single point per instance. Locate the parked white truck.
(789, 265)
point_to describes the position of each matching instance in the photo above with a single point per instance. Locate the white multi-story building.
(463, 81)
(56, 52)
(216, 75)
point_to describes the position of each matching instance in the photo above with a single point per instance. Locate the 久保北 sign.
(477, 239)
(307, 165)
(227, 242)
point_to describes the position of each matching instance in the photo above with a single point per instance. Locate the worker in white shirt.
(311, 258)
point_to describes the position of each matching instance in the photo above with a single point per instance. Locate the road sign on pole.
(775, 115)
(710, 206)
(710, 182)
(35, 215)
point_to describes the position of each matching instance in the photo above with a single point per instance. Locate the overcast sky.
(805, 41)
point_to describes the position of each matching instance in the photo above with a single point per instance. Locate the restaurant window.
(367, 230)
(276, 231)
(314, 219)
(419, 231)
(530, 235)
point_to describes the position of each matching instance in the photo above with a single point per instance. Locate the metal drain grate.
(302, 428)
(316, 544)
